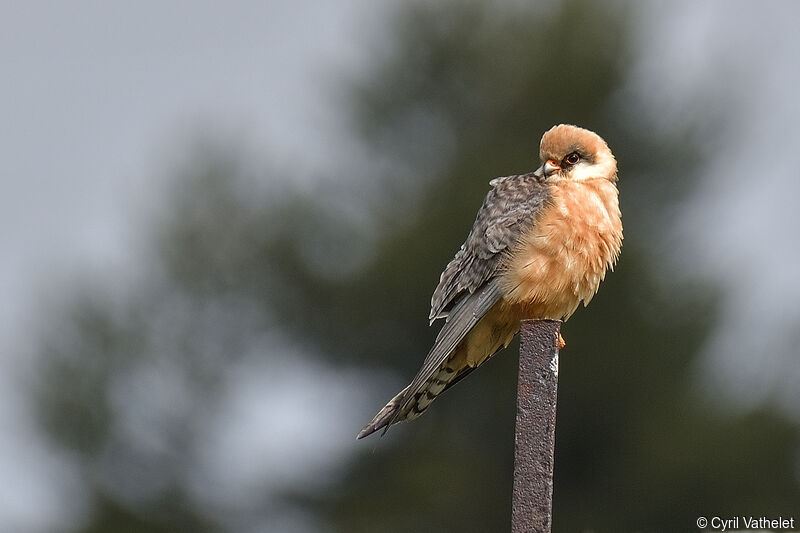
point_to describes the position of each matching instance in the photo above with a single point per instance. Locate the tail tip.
(385, 417)
(372, 427)
(382, 420)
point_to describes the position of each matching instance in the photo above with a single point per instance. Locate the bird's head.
(571, 153)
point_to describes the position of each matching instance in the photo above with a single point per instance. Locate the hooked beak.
(547, 170)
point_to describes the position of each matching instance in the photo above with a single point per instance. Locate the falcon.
(540, 245)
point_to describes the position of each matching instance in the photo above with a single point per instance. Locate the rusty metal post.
(532, 500)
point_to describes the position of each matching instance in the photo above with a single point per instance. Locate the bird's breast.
(562, 258)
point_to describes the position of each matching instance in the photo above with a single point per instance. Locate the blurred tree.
(461, 95)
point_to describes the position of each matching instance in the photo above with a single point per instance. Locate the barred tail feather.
(401, 408)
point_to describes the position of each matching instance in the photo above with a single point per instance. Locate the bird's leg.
(561, 342)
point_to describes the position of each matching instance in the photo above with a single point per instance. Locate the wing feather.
(469, 310)
(512, 205)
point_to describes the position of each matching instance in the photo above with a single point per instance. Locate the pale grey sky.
(739, 228)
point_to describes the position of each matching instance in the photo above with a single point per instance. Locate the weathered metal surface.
(532, 500)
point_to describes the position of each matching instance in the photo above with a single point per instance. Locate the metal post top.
(534, 447)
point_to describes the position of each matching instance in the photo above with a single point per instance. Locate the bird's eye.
(572, 159)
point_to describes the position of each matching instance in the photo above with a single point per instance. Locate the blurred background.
(221, 226)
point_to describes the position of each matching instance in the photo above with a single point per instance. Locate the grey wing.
(512, 205)
(468, 287)
(463, 317)
(465, 314)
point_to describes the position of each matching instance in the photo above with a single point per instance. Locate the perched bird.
(540, 246)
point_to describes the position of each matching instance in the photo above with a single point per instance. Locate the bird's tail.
(448, 361)
(402, 407)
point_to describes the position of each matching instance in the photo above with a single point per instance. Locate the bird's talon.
(561, 342)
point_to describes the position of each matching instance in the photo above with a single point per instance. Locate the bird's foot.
(560, 342)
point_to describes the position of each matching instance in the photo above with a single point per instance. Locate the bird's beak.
(547, 170)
